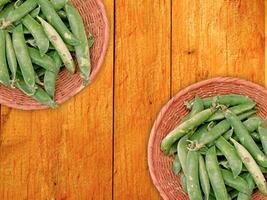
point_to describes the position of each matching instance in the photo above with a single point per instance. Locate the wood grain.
(142, 85)
(64, 153)
(95, 145)
(217, 38)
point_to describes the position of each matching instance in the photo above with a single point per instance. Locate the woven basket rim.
(166, 107)
(92, 75)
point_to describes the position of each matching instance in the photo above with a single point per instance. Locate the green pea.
(82, 49)
(11, 58)
(4, 74)
(23, 57)
(192, 178)
(53, 18)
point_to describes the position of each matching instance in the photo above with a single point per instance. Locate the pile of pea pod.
(37, 38)
(219, 149)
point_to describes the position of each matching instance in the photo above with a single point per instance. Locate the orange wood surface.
(95, 145)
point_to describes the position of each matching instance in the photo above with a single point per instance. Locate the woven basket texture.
(160, 166)
(95, 20)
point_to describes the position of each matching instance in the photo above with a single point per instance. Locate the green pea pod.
(251, 166)
(59, 45)
(228, 134)
(196, 108)
(227, 100)
(23, 57)
(58, 4)
(173, 149)
(238, 183)
(256, 137)
(19, 13)
(218, 115)
(253, 123)
(1, 8)
(176, 165)
(21, 85)
(44, 61)
(38, 33)
(50, 77)
(11, 58)
(35, 12)
(192, 178)
(4, 74)
(247, 114)
(213, 134)
(4, 2)
(233, 194)
(82, 49)
(263, 138)
(53, 18)
(183, 182)
(202, 130)
(62, 14)
(215, 174)
(40, 72)
(182, 152)
(184, 128)
(231, 155)
(204, 178)
(245, 138)
(251, 185)
(40, 95)
(5, 12)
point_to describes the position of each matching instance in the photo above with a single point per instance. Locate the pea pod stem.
(218, 115)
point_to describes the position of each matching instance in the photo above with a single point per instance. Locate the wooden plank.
(64, 153)
(142, 86)
(217, 38)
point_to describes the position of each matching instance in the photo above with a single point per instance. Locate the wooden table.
(95, 145)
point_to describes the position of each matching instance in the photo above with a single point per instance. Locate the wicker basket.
(95, 19)
(171, 114)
